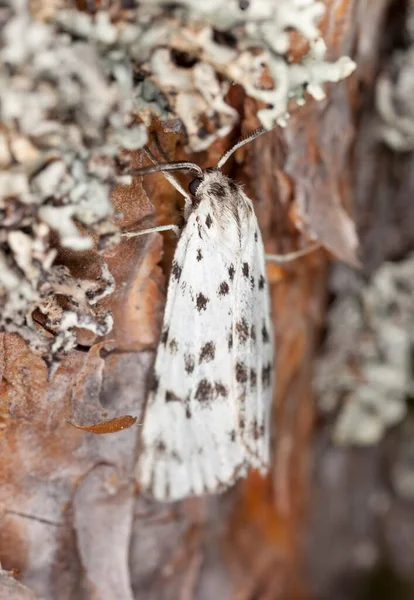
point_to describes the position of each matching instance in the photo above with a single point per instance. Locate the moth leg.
(284, 258)
(174, 228)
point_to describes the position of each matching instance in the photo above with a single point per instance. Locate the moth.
(207, 417)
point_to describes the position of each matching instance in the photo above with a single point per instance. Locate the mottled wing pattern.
(206, 417)
(253, 348)
(190, 442)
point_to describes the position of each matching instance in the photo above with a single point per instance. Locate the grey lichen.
(214, 44)
(394, 95)
(66, 114)
(366, 366)
(37, 296)
(191, 52)
(76, 89)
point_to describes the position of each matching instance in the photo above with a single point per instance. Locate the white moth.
(207, 418)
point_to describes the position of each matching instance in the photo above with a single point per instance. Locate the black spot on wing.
(223, 288)
(176, 270)
(261, 282)
(265, 335)
(242, 330)
(218, 189)
(199, 255)
(257, 431)
(231, 271)
(207, 392)
(241, 372)
(233, 435)
(164, 336)
(187, 406)
(160, 447)
(245, 270)
(220, 390)
(256, 237)
(171, 397)
(266, 375)
(207, 352)
(201, 302)
(173, 346)
(230, 342)
(204, 392)
(189, 363)
(209, 220)
(252, 282)
(253, 333)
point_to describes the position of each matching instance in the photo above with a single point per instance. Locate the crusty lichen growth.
(366, 367)
(42, 287)
(66, 114)
(188, 53)
(76, 89)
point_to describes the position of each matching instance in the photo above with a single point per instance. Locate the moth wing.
(253, 349)
(190, 438)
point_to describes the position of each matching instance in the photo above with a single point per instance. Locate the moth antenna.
(244, 140)
(174, 165)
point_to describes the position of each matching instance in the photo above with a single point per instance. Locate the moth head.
(194, 185)
(206, 176)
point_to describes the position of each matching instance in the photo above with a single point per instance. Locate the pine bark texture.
(326, 523)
